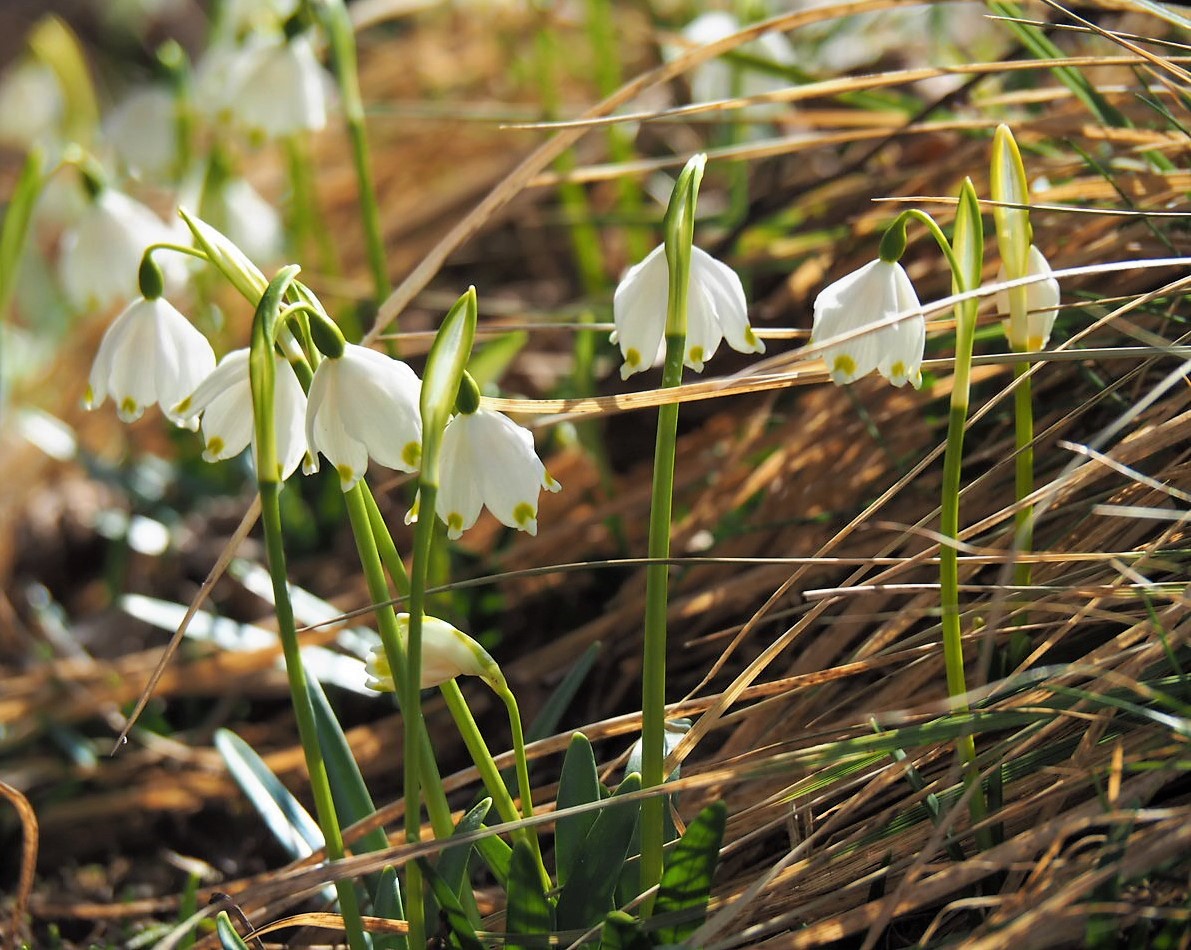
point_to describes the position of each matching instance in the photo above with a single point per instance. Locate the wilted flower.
(487, 459)
(150, 354)
(363, 404)
(446, 653)
(875, 292)
(101, 254)
(1042, 301)
(279, 88)
(716, 310)
(224, 399)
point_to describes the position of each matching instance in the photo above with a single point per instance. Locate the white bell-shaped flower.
(487, 459)
(240, 212)
(1042, 301)
(363, 404)
(280, 88)
(716, 310)
(32, 105)
(446, 653)
(143, 132)
(101, 254)
(150, 354)
(224, 400)
(875, 292)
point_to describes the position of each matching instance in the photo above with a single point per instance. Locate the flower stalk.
(262, 370)
(679, 238)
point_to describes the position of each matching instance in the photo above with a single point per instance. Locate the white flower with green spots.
(877, 291)
(1032, 332)
(150, 354)
(487, 459)
(224, 400)
(363, 404)
(446, 653)
(716, 310)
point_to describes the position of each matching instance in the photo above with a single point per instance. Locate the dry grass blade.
(28, 862)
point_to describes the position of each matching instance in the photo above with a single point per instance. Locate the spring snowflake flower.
(143, 132)
(280, 89)
(487, 459)
(875, 292)
(1042, 301)
(446, 653)
(102, 252)
(150, 354)
(224, 400)
(363, 404)
(716, 310)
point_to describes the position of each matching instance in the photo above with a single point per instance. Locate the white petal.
(1043, 301)
(702, 328)
(508, 468)
(901, 359)
(131, 382)
(283, 90)
(232, 372)
(380, 406)
(289, 411)
(227, 424)
(639, 311)
(109, 346)
(459, 499)
(854, 301)
(727, 294)
(325, 425)
(184, 358)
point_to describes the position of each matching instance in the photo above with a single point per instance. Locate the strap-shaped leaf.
(578, 785)
(587, 895)
(453, 863)
(686, 878)
(497, 855)
(228, 938)
(529, 915)
(387, 903)
(451, 914)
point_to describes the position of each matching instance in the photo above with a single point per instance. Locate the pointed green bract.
(1007, 181)
(230, 261)
(440, 385)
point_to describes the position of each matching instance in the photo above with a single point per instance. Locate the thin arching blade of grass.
(587, 895)
(228, 938)
(1041, 46)
(623, 932)
(686, 877)
(453, 863)
(452, 918)
(579, 784)
(283, 814)
(529, 915)
(930, 802)
(388, 904)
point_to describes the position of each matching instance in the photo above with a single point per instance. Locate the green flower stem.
(371, 545)
(966, 259)
(1023, 483)
(337, 25)
(304, 213)
(384, 543)
(262, 376)
(482, 757)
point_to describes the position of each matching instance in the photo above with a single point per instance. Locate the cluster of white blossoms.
(361, 405)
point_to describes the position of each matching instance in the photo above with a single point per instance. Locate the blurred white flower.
(150, 354)
(32, 105)
(721, 78)
(143, 132)
(487, 459)
(1042, 301)
(253, 225)
(101, 254)
(281, 89)
(224, 399)
(716, 310)
(446, 653)
(363, 404)
(875, 292)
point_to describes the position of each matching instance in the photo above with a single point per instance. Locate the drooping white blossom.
(279, 88)
(363, 404)
(143, 132)
(1042, 301)
(101, 255)
(487, 459)
(716, 310)
(875, 292)
(224, 400)
(446, 653)
(150, 354)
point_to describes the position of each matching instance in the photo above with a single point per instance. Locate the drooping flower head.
(446, 653)
(363, 404)
(487, 459)
(874, 293)
(101, 253)
(150, 354)
(716, 310)
(1029, 332)
(224, 400)
(280, 88)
